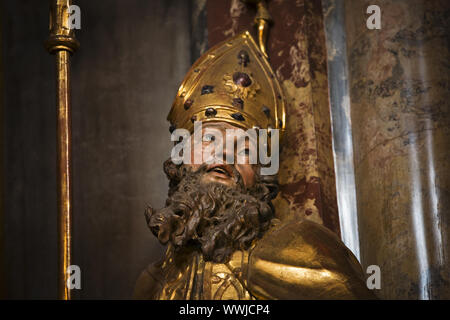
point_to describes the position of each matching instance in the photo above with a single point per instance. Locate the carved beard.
(211, 217)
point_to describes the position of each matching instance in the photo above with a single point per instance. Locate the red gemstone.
(242, 79)
(188, 103)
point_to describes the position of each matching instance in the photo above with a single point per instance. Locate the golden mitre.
(234, 83)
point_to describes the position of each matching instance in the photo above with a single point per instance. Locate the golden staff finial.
(262, 21)
(62, 43)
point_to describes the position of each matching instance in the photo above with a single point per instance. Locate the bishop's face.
(218, 206)
(213, 145)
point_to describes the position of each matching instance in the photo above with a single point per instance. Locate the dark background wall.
(29, 146)
(132, 58)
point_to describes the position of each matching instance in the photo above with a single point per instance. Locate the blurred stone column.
(334, 20)
(400, 113)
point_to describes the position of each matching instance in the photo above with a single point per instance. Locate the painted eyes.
(208, 137)
(244, 152)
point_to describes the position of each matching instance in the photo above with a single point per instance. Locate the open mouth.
(221, 171)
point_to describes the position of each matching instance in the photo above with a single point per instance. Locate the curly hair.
(213, 218)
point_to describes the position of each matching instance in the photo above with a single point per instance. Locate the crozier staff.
(62, 43)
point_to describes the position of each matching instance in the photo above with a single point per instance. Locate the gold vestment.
(293, 260)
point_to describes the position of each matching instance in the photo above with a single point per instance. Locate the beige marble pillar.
(400, 95)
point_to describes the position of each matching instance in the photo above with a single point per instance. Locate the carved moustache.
(214, 217)
(169, 224)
